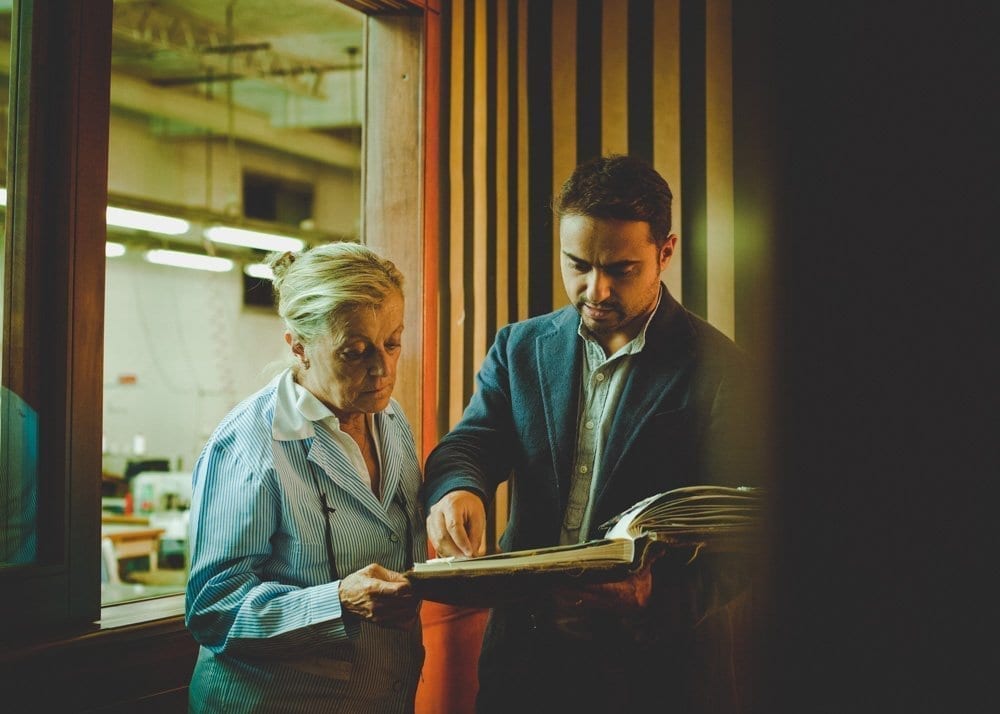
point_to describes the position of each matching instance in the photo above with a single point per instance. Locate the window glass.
(223, 116)
(18, 419)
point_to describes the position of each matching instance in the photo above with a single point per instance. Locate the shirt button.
(600, 377)
(393, 537)
(583, 469)
(590, 424)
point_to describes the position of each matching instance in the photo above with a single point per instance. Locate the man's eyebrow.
(619, 264)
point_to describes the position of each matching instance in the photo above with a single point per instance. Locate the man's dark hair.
(619, 187)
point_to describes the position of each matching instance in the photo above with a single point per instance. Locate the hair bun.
(280, 263)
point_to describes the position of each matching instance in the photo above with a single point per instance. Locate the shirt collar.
(634, 345)
(296, 408)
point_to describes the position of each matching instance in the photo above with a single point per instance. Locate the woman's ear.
(298, 349)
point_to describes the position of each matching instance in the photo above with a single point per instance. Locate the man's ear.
(667, 251)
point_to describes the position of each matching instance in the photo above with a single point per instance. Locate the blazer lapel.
(325, 453)
(558, 365)
(668, 350)
(392, 459)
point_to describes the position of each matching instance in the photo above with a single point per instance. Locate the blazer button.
(393, 537)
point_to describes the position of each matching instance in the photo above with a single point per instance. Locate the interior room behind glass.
(246, 115)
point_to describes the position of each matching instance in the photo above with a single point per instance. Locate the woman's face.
(355, 371)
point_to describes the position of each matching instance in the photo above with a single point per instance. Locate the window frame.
(54, 336)
(54, 293)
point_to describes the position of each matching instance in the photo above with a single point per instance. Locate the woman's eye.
(581, 267)
(352, 355)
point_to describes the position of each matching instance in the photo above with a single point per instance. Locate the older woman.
(305, 510)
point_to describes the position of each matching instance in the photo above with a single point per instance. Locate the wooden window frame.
(57, 644)
(54, 294)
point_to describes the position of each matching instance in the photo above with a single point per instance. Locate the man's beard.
(603, 326)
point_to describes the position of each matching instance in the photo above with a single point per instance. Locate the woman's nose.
(377, 366)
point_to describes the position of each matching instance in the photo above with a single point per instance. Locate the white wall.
(195, 172)
(194, 349)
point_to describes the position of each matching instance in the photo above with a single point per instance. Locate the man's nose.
(598, 287)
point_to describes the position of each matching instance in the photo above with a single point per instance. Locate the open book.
(686, 520)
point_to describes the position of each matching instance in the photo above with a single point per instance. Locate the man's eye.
(581, 267)
(392, 346)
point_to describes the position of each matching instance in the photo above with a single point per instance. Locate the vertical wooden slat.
(563, 120)
(392, 167)
(588, 79)
(431, 233)
(693, 228)
(503, 139)
(522, 159)
(456, 401)
(480, 127)
(468, 235)
(614, 78)
(492, 188)
(640, 79)
(667, 126)
(540, 140)
(444, 269)
(719, 164)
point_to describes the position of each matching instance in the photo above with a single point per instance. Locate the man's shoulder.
(679, 328)
(529, 328)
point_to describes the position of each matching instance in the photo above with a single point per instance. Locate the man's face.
(611, 272)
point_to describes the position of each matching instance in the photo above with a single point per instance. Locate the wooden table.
(133, 541)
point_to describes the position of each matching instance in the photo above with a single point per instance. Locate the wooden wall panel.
(719, 164)
(614, 79)
(529, 90)
(564, 126)
(392, 217)
(667, 125)
(534, 88)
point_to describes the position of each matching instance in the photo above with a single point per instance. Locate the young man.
(588, 410)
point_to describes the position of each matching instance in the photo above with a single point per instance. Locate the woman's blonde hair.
(315, 289)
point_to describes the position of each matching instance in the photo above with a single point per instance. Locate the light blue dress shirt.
(603, 378)
(260, 600)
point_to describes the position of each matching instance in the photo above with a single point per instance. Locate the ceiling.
(285, 74)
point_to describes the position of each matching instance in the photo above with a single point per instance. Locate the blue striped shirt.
(260, 600)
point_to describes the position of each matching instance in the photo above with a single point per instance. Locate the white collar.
(296, 408)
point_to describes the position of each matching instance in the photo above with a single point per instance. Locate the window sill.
(118, 623)
(146, 612)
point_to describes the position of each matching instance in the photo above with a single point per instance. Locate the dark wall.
(133, 670)
(886, 404)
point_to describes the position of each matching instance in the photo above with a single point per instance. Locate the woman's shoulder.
(249, 422)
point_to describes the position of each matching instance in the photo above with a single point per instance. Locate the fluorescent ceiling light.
(113, 250)
(253, 239)
(259, 270)
(142, 221)
(196, 261)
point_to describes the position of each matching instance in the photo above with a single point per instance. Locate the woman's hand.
(379, 595)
